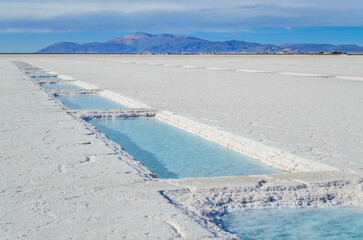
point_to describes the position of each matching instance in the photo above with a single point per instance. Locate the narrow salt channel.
(59, 86)
(88, 101)
(171, 152)
(296, 224)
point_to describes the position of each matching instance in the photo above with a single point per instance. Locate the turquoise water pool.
(171, 152)
(296, 224)
(88, 101)
(59, 86)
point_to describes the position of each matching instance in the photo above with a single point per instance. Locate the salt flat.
(58, 181)
(58, 178)
(317, 118)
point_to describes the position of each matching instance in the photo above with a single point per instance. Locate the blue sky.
(28, 26)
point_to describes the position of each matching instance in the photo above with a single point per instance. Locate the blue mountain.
(145, 42)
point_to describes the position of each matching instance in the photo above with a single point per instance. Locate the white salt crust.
(205, 199)
(269, 155)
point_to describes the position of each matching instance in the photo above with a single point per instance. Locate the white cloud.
(44, 10)
(175, 15)
(41, 9)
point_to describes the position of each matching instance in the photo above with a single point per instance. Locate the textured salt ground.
(59, 181)
(197, 197)
(208, 199)
(322, 65)
(315, 118)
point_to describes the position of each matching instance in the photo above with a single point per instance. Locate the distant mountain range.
(145, 42)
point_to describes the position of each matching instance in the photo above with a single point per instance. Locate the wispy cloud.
(38, 9)
(174, 15)
(30, 30)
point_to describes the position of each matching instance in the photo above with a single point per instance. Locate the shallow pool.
(88, 101)
(171, 152)
(59, 86)
(45, 78)
(37, 73)
(296, 224)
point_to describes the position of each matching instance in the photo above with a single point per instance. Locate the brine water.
(296, 224)
(59, 86)
(88, 101)
(171, 152)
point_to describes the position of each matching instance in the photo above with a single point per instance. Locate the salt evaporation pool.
(88, 101)
(171, 152)
(59, 86)
(296, 224)
(37, 73)
(45, 78)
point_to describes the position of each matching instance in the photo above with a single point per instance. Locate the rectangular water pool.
(45, 78)
(296, 224)
(37, 73)
(88, 101)
(59, 86)
(171, 152)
